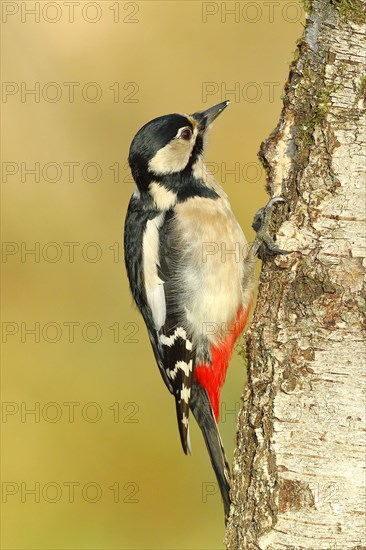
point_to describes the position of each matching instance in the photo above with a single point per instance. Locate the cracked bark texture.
(299, 465)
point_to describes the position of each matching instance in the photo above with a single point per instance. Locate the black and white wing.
(152, 261)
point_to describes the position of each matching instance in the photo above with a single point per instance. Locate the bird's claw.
(261, 223)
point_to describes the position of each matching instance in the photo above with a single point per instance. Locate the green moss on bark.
(351, 10)
(306, 4)
(361, 92)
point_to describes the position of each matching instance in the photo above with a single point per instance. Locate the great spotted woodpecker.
(189, 269)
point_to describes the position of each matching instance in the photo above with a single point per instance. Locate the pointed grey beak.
(205, 118)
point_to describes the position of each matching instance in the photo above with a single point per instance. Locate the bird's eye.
(186, 134)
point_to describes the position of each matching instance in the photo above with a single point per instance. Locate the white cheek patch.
(154, 286)
(174, 156)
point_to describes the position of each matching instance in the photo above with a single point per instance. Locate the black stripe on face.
(185, 186)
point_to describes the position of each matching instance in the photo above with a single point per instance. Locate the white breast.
(213, 265)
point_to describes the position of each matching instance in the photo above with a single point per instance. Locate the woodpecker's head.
(164, 151)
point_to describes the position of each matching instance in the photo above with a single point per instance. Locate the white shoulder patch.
(157, 305)
(154, 286)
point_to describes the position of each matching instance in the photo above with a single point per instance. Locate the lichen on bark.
(297, 474)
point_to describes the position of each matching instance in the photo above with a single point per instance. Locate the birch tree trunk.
(299, 466)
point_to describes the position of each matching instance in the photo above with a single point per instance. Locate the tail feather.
(202, 411)
(183, 424)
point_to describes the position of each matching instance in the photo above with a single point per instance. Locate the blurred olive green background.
(101, 452)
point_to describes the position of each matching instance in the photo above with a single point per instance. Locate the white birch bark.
(299, 466)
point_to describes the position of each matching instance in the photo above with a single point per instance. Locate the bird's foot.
(261, 223)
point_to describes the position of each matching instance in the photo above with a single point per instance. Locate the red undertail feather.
(212, 377)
